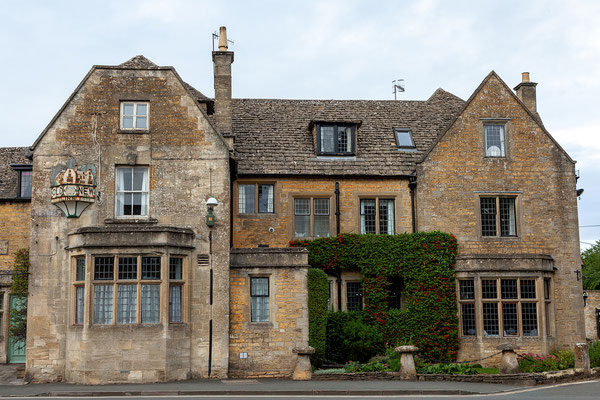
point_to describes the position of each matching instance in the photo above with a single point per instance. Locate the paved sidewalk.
(257, 387)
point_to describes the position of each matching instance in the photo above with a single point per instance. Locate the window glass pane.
(489, 289)
(468, 319)
(127, 268)
(265, 198)
(260, 286)
(395, 295)
(104, 268)
(127, 122)
(80, 269)
(150, 304)
(548, 321)
(301, 226)
(386, 216)
(527, 288)
(126, 304)
(124, 176)
(322, 226)
(467, 290)
(26, 177)
(547, 289)
(507, 217)
(301, 206)
(529, 315)
(246, 199)
(103, 304)
(121, 204)
(367, 216)
(509, 319)
(79, 303)
(321, 206)
(490, 319)
(488, 216)
(141, 123)
(509, 288)
(327, 139)
(344, 144)
(150, 267)
(404, 138)
(175, 268)
(354, 296)
(140, 179)
(142, 110)
(136, 206)
(127, 108)
(260, 309)
(175, 303)
(128, 204)
(494, 140)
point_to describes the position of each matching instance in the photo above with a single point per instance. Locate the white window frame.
(135, 115)
(122, 192)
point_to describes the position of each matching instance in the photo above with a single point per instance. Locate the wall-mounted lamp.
(585, 296)
(211, 203)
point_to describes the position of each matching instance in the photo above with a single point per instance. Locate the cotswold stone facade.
(15, 198)
(592, 315)
(513, 210)
(154, 282)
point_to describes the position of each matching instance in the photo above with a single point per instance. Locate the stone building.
(15, 198)
(592, 314)
(137, 274)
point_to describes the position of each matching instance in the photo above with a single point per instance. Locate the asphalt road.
(589, 390)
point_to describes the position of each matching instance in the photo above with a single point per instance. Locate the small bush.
(456, 369)
(595, 354)
(566, 359)
(361, 341)
(538, 363)
(354, 366)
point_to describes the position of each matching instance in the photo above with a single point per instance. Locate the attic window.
(134, 116)
(335, 139)
(404, 139)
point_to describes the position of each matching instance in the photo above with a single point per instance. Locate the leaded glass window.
(259, 299)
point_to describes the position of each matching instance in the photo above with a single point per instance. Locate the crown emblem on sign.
(73, 187)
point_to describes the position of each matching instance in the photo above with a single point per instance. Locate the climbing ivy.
(424, 261)
(19, 287)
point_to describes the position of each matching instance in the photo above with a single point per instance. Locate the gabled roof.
(9, 177)
(535, 116)
(137, 62)
(274, 136)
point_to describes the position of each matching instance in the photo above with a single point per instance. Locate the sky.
(339, 49)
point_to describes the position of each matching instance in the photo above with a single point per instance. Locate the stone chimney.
(526, 93)
(222, 61)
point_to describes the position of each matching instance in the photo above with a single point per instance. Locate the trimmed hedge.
(424, 261)
(317, 313)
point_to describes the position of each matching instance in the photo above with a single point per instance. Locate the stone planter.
(407, 362)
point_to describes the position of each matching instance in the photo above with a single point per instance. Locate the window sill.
(495, 158)
(134, 131)
(261, 325)
(119, 220)
(336, 157)
(500, 238)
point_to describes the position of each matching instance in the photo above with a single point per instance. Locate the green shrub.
(443, 368)
(354, 366)
(317, 313)
(423, 261)
(595, 354)
(566, 358)
(361, 341)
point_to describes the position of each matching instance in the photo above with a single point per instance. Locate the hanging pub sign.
(73, 187)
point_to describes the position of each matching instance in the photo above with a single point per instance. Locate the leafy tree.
(19, 287)
(591, 267)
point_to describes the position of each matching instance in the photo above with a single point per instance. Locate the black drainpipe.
(337, 208)
(339, 290)
(412, 184)
(210, 323)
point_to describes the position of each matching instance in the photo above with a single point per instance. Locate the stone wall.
(15, 224)
(265, 349)
(187, 160)
(252, 229)
(541, 178)
(591, 324)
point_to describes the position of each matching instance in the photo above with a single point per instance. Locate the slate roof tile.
(9, 178)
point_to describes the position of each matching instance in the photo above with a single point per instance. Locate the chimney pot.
(526, 92)
(222, 38)
(525, 76)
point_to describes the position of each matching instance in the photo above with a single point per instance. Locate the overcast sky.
(318, 50)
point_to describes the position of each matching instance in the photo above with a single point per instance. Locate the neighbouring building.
(161, 220)
(15, 198)
(592, 314)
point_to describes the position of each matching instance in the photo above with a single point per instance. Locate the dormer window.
(404, 139)
(337, 140)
